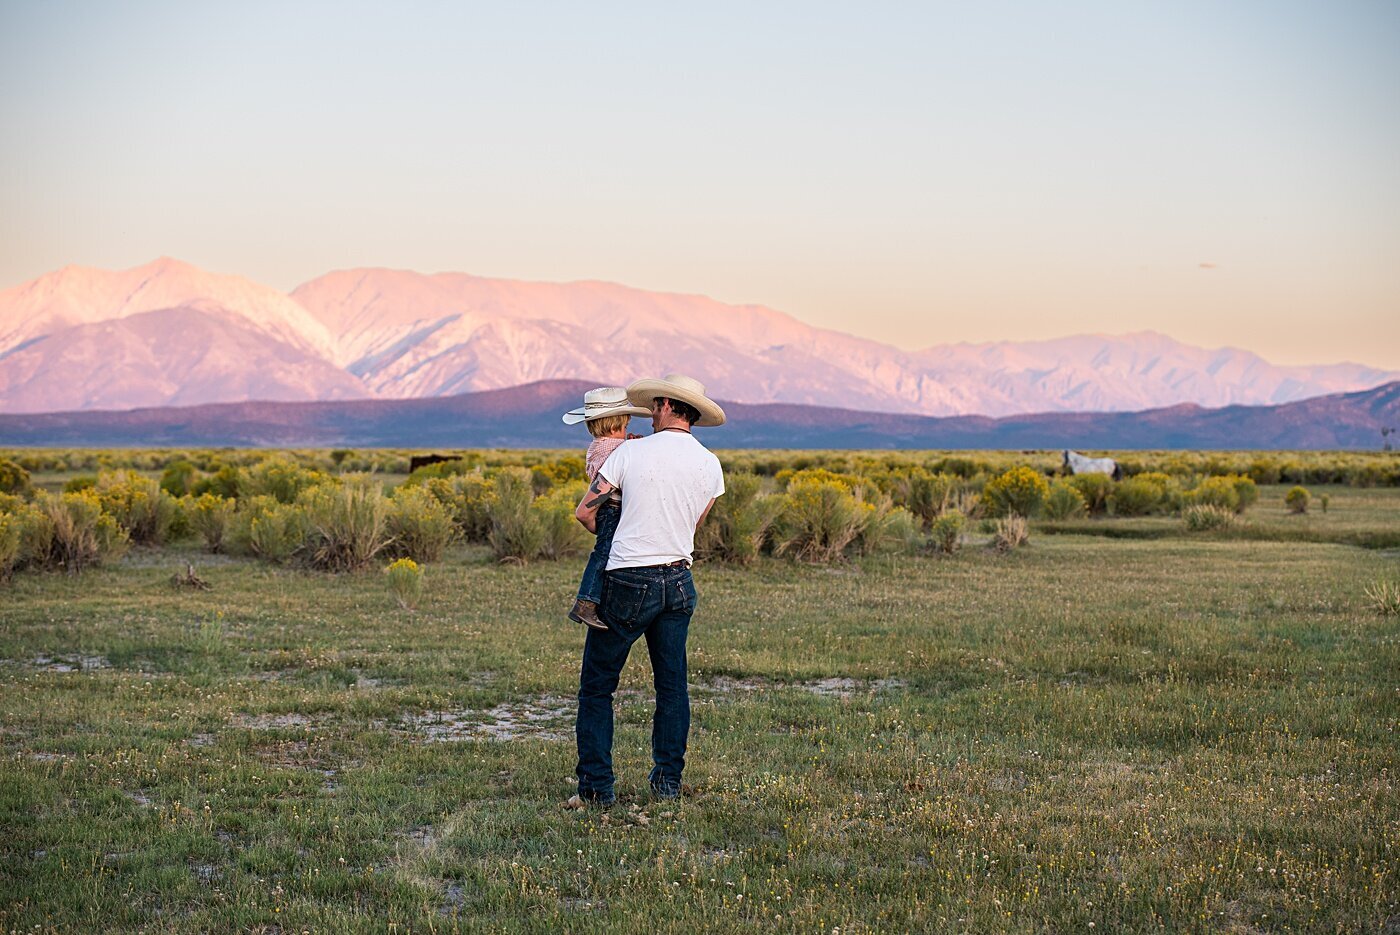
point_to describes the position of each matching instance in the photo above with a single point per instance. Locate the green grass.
(1179, 734)
(1366, 517)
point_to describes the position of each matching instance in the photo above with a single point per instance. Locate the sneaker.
(586, 613)
(591, 799)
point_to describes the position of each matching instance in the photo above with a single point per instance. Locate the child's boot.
(586, 613)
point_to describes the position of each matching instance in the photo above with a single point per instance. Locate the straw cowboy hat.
(683, 388)
(602, 402)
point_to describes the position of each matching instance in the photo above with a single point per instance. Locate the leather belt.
(678, 563)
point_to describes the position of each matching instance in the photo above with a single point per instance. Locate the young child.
(606, 412)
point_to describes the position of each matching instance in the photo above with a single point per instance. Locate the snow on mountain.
(403, 334)
(372, 311)
(1130, 372)
(409, 334)
(168, 357)
(78, 295)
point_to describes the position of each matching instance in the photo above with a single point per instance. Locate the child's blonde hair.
(606, 425)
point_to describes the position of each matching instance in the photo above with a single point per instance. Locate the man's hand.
(596, 495)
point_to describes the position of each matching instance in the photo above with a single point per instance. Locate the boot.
(586, 613)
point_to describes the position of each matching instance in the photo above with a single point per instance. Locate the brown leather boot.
(586, 613)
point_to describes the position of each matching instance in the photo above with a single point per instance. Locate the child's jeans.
(591, 587)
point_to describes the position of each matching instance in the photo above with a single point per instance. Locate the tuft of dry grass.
(1202, 517)
(1011, 532)
(1384, 597)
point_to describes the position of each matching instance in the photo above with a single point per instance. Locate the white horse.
(1076, 463)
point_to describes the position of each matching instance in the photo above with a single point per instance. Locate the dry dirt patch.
(69, 662)
(833, 687)
(543, 717)
(844, 687)
(290, 721)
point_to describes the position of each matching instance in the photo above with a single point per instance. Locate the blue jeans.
(655, 603)
(591, 587)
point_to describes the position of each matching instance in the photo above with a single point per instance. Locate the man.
(668, 482)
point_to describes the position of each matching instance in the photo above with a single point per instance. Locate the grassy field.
(1167, 733)
(1369, 518)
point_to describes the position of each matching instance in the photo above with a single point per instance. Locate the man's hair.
(606, 425)
(686, 411)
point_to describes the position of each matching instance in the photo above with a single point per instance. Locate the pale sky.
(1225, 172)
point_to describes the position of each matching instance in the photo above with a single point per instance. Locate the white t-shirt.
(667, 480)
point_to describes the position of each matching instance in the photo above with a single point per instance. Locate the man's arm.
(705, 512)
(596, 495)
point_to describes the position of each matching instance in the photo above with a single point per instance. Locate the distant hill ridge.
(167, 333)
(528, 416)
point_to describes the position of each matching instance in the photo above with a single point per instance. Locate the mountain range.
(167, 333)
(528, 416)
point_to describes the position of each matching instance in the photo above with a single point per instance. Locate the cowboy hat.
(679, 387)
(602, 402)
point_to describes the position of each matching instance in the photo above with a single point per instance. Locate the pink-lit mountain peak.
(195, 353)
(369, 310)
(1142, 342)
(397, 333)
(77, 295)
(1137, 352)
(402, 296)
(410, 334)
